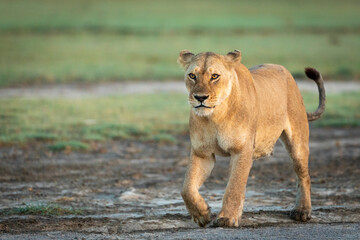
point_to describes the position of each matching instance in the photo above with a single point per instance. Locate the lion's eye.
(192, 76)
(215, 76)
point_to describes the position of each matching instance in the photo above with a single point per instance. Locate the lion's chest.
(215, 140)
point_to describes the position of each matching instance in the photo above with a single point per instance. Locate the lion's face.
(208, 78)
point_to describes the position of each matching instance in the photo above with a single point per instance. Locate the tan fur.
(246, 112)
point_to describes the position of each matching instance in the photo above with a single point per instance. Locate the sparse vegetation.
(68, 145)
(41, 209)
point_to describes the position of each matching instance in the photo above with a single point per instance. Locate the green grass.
(342, 110)
(151, 117)
(172, 15)
(47, 41)
(71, 145)
(41, 209)
(91, 58)
(145, 117)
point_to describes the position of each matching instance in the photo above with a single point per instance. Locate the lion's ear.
(184, 58)
(234, 56)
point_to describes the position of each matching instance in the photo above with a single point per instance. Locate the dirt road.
(131, 190)
(74, 91)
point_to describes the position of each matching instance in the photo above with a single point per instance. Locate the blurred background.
(80, 43)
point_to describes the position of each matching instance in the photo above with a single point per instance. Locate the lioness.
(241, 113)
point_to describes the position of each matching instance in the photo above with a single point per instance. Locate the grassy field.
(88, 58)
(83, 41)
(92, 41)
(144, 117)
(165, 15)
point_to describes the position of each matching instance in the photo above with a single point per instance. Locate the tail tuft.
(312, 73)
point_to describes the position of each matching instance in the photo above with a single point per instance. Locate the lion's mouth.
(203, 106)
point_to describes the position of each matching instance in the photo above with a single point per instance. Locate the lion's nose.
(201, 98)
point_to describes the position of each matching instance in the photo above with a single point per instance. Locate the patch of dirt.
(76, 91)
(128, 188)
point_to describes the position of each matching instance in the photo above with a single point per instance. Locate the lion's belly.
(264, 149)
(266, 136)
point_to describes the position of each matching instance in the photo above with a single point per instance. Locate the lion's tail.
(313, 74)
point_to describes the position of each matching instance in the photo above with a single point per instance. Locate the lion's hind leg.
(296, 142)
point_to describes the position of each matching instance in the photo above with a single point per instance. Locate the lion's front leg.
(198, 170)
(234, 196)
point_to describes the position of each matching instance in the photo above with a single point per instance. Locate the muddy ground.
(131, 190)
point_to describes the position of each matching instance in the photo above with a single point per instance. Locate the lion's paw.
(201, 218)
(225, 222)
(300, 215)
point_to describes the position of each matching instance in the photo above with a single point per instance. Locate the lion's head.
(209, 78)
